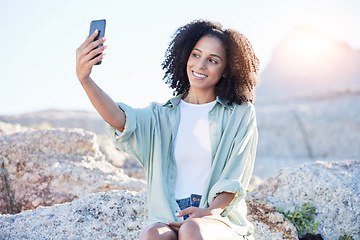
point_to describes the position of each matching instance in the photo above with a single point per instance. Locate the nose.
(201, 64)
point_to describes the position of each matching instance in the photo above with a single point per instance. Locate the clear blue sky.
(39, 39)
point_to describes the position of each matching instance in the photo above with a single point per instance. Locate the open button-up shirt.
(149, 136)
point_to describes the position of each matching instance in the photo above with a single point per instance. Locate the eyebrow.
(213, 54)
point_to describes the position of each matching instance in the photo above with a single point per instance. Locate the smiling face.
(206, 64)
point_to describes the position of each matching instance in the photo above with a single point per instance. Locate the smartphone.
(100, 26)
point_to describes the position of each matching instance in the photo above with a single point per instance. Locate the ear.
(225, 73)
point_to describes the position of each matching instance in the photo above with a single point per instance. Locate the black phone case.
(100, 26)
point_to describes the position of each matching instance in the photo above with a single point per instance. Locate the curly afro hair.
(240, 76)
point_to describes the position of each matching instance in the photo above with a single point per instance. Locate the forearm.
(221, 202)
(104, 105)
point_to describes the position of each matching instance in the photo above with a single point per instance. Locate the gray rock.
(7, 128)
(90, 121)
(45, 167)
(310, 128)
(268, 223)
(306, 130)
(332, 187)
(111, 215)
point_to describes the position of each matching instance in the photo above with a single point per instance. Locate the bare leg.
(209, 229)
(158, 231)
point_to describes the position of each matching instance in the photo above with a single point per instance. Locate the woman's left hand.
(194, 212)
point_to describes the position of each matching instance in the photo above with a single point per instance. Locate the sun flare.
(309, 46)
(308, 53)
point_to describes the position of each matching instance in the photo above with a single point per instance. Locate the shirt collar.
(173, 102)
(224, 102)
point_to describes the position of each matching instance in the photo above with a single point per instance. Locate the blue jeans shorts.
(192, 201)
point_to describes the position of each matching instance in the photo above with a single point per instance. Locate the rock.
(45, 167)
(310, 124)
(117, 215)
(90, 121)
(7, 128)
(111, 215)
(254, 182)
(307, 129)
(333, 188)
(268, 223)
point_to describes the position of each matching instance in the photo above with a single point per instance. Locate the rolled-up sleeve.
(135, 139)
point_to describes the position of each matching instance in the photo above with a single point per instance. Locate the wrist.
(214, 211)
(85, 80)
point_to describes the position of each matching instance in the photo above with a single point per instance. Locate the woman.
(199, 148)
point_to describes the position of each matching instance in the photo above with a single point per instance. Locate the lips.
(199, 75)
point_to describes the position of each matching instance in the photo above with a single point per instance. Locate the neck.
(199, 97)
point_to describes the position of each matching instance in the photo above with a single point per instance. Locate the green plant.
(303, 219)
(345, 237)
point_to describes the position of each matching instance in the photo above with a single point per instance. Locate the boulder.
(90, 121)
(268, 223)
(333, 188)
(117, 215)
(8, 128)
(320, 128)
(45, 167)
(111, 215)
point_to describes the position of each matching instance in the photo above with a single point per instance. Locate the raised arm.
(105, 106)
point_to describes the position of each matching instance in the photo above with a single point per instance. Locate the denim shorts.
(192, 201)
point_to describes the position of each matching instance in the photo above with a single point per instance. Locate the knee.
(157, 231)
(149, 233)
(191, 229)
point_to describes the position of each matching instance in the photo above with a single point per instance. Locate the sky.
(39, 39)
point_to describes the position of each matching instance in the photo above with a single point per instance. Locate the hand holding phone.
(90, 51)
(100, 26)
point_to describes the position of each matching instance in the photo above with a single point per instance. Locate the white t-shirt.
(192, 149)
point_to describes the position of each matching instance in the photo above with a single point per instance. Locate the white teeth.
(199, 75)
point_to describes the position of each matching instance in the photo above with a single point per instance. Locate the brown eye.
(213, 61)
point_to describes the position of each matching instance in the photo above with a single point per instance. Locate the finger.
(186, 211)
(97, 59)
(95, 52)
(87, 54)
(93, 35)
(86, 43)
(94, 45)
(175, 224)
(88, 40)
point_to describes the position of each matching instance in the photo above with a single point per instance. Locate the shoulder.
(247, 106)
(245, 110)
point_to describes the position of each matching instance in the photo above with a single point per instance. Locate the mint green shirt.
(149, 136)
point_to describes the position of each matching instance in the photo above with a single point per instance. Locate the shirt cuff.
(231, 186)
(130, 124)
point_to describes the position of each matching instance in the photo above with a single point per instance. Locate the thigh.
(208, 229)
(158, 231)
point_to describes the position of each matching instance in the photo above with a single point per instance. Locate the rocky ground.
(71, 183)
